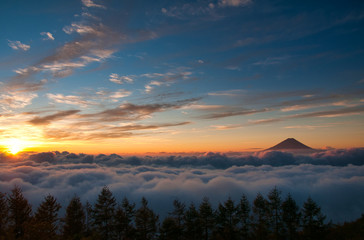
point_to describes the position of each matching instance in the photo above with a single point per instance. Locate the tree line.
(269, 217)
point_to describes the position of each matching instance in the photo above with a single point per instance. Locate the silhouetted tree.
(349, 230)
(244, 217)
(104, 214)
(3, 215)
(74, 220)
(19, 212)
(290, 217)
(169, 229)
(261, 218)
(178, 215)
(124, 220)
(45, 221)
(89, 213)
(145, 222)
(312, 220)
(192, 223)
(207, 218)
(275, 212)
(227, 220)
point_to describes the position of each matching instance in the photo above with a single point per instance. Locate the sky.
(176, 99)
(107, 76)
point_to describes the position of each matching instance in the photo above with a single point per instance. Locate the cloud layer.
(333, 178)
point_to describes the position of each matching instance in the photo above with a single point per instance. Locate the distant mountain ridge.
(290, 144)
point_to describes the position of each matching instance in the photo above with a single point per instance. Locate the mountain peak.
(290, 144)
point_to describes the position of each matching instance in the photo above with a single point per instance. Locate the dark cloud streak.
(54, 117)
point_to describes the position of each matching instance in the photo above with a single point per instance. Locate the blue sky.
(222, 75)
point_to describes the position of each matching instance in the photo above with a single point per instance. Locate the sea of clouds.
(333, 178)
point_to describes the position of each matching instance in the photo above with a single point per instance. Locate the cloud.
(331, 113)
(70, 99)
(165, 79)
(228, 93)
(130, 111)
(95, 40)
(131, 127)
(121, 93)
(14, 100)
(17, 45)
(234, 3)
(99, 132)
(332, 178)
(271, 61)
(90, 3)
(47, 35)
(263, 121)
(116, 78)
(226, 127)
(54, 117)
(237, 112)
(189, 9)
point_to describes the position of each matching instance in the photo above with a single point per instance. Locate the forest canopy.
(267, 217)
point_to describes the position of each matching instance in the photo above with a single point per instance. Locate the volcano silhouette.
(290, 144)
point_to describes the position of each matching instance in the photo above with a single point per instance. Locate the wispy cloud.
(188, 9)
(13, 100)
(234, 3)
(331, 113)
(235, 112)
(228, 93)
(130, 111)
(91, 3)
(165, 79)
(121, 93)
(54, 117)
(226, 127)
(271, 61)
(309, 127)
(47, 36)
(69, 99)
(203, 107)
(17, 45)
(263, 121)
(116, 78)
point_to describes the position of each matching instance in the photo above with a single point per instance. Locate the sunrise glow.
(14, 146)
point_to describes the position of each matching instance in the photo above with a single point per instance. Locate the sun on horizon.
(14, 146)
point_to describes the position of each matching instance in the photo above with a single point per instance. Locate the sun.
(15, 145)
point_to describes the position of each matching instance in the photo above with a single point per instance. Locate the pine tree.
(104, 214)
(124, 220)
(3, 215)
(207, 218)
(227, 220)
(261, 217)
(145, 221)
(89, 213)
(290, 217)
(19, 212)
(244, 217)
(169, 229)
(45, 222)
(192, 223)
(312, 220)
(275, 212)
(74, 220)
(178, 214)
